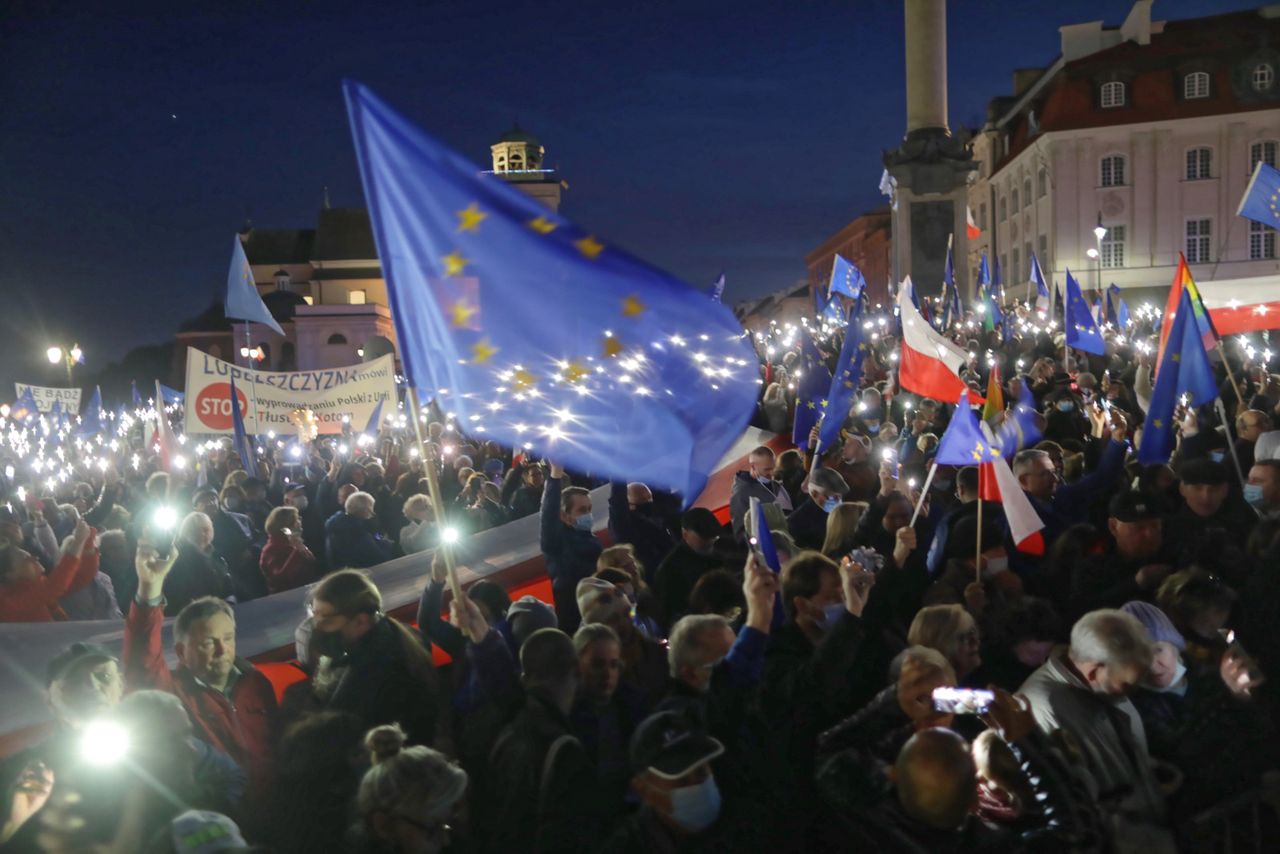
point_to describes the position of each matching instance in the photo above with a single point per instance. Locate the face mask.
(300, 503)
(1066, 405)
(873, 429)
(1253, 494)
(830, 504)
(328, 643)
(583, 522)
(995, 565)
(765, 481)
(1179, 673)
(695, 808)
(831, 615)
(235, 505)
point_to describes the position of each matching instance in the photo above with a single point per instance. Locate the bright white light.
(54, 355)
(449, 536)
(164, 518)
(179, 462)
(1091, 252)
(295, 452)
(103, 743)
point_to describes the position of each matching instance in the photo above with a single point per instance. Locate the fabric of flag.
(929, 364)
(811, 391)
(764, 537)
(971, 229)
(552, 337)
(170, 395)
(1184, 369)
(951, 310)
(997, 284)
(846, 279)
(1182, 281)
(375, 419)
(990, 311)
(963, 442)
(137, 398)
(162, 436)
(1081, 330)
(241, 439)
(91, 419)
(1113, 304)
(25, 407)
(717, 288)
(844, 381)
(834, 310)
(1042, 287)
(1122, 315)
(243, 301)
(1261, 199)
(1019, 429)
(1059, 310)
(994, 405)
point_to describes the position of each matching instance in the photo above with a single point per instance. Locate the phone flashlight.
(104, 743)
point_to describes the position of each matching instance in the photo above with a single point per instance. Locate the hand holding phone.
(963, 701)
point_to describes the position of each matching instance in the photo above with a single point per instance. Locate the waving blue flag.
(25, 407)
(846, 279)
(1184, 370)
(137, 398)
(997, 285)
(375, 419)
(170, 395)
(1122, 315)
(1113, 304)
(1042, 287)
(1081, 330)
(1019, 428)
(243, 446)
(844, 382)
(811, 391)
(1261, 199)
(951, 311)
(91, 418)
(556, 339)
(243, 302)
(717, 289)
(963, 443)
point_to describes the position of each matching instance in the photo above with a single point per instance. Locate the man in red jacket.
(232, 705)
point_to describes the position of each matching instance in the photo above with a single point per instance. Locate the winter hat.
(599, 601)
(202, 832)
(1158, 626)
(528, 614)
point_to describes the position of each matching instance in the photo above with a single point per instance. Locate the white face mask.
(696, 807)
(995, 565)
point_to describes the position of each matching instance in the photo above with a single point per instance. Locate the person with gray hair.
(808, 524)
(1083, 692)
(411, 796)
(199, 570)
(352, 540)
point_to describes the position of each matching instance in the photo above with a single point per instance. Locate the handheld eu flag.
(243, 302)
(846, 279)
(539, 334)
(844, 382)
(963, 443)
(811, 391)
(1261, 199)
(1079, 325)
(1184, 370)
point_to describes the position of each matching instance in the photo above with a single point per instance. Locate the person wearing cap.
(1206, 501)
(1133, 562)
(693, 557)
(644, 661)
(808, 524)
(568, 544)
(757, 481)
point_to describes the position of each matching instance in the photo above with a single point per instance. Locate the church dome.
(517, 134)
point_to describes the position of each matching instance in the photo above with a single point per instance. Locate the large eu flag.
(1184, 370)
(1261, 199)
(539, 334)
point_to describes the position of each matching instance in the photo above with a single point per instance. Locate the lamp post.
(68, 357)
(1099, 232)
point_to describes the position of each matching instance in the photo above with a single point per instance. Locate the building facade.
(866, 242)
(1136, 144)
(324, 285)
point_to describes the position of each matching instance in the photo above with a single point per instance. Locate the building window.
(1112, 95)
(1026, 253)
(1264, 77)
(1198, 163)
(1264, 152)
(1026, 190)
(337, 338)
(1042, 182)
(1004, 208)
(1262, 241)
(1113, 171)
(1014, 271)
(1014, 203)
(1195, 85)
(1113, 247)
(1042, 254)
(309, 300)
(1004, 266)
(357, 297)
(982, 216)
(1199, 233)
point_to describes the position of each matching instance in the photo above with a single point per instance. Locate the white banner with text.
(45, 397)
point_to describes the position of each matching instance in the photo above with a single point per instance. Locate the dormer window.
(1195, 85)
(1263, 77)
(1113, 95)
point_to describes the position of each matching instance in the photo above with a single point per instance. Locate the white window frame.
(1259, 151)
(1108, 174)
(1198, 240)
(1113, 247)
(357, 296)
(1199, 161)
(1262, 242)
(1042, 181)
(1263, 77)
(1195, 85)
(1112, 95)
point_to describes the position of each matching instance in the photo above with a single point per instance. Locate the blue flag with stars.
(375, 419)
(845, 380)
(1122, 315)
(811, 391)
(963, 443)
(951, 311)
(1261, 199)
(1042, 287)
(539, 334)
(1184, 370)
(91, 419)
(243, 302)
(846, 279)
(1079, 325)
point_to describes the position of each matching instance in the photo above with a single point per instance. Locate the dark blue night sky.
(700, 135)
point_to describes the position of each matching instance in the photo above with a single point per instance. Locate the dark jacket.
(525, 502)
(530, 799)
(571, 556)
(195, 573)
(808, 525)
(746, 487)
(676, 576)
(645, 530)
(351, 542)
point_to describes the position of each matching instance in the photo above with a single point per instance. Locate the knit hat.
(1158, 626)
(599, 601)
(203, 832)
(527, 615)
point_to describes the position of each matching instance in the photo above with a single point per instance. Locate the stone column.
(926, 36)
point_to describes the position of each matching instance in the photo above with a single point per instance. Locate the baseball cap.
(670, 745)
(701, 521)
(1204, 471)
(74, 656)
(1133, 506)
(527, 615)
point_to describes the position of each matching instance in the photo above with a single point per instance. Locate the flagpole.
(1231, 376)
(977, 562)
(253, 385)
(924, 490)
(437, 502)
(1221, 409)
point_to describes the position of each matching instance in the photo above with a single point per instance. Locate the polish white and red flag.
(971, 228)
(929, 364)
(1242, 305)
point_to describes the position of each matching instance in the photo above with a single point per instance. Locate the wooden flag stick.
(924, 492)
(437, 502)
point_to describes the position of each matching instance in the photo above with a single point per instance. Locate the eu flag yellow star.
(811, 405)
(1157, 422)
(542, 225)
(632, 307)
(482, 351)
(522, 380)
(589, 247)
(823, 404)
(454, 263)
(460, 314)
(612, 347)
(470, 217)
(574, 372)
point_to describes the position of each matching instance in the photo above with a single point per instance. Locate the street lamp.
(70, 357)
(255, 353)
(1099, 231)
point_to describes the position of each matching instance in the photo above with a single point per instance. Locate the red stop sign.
(213, 406)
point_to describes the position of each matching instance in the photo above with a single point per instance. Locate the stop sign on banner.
(213, 406)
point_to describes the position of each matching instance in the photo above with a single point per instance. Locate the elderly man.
(1083, 692)
(1263, 489)
(808, 524)
(756, 482)
(351, 539)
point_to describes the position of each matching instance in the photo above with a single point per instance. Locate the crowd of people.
(909, 681)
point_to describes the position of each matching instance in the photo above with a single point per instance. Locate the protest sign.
(45, 397)
(268, 397)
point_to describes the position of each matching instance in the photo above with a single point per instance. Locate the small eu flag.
(845, 380)
(243, 446)
(1261, 200)
(963, 443)
(811, 391)
(243, 302)
(1184, 370)
(846, 279)
(539, 334)
(1082, 330)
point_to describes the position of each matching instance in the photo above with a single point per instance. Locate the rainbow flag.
(1182, 281)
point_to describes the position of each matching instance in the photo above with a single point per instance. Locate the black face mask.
(330, 644)
(645, 509)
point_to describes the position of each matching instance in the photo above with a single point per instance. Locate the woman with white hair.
(420, 534)
(198, 571)
(410, 798)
